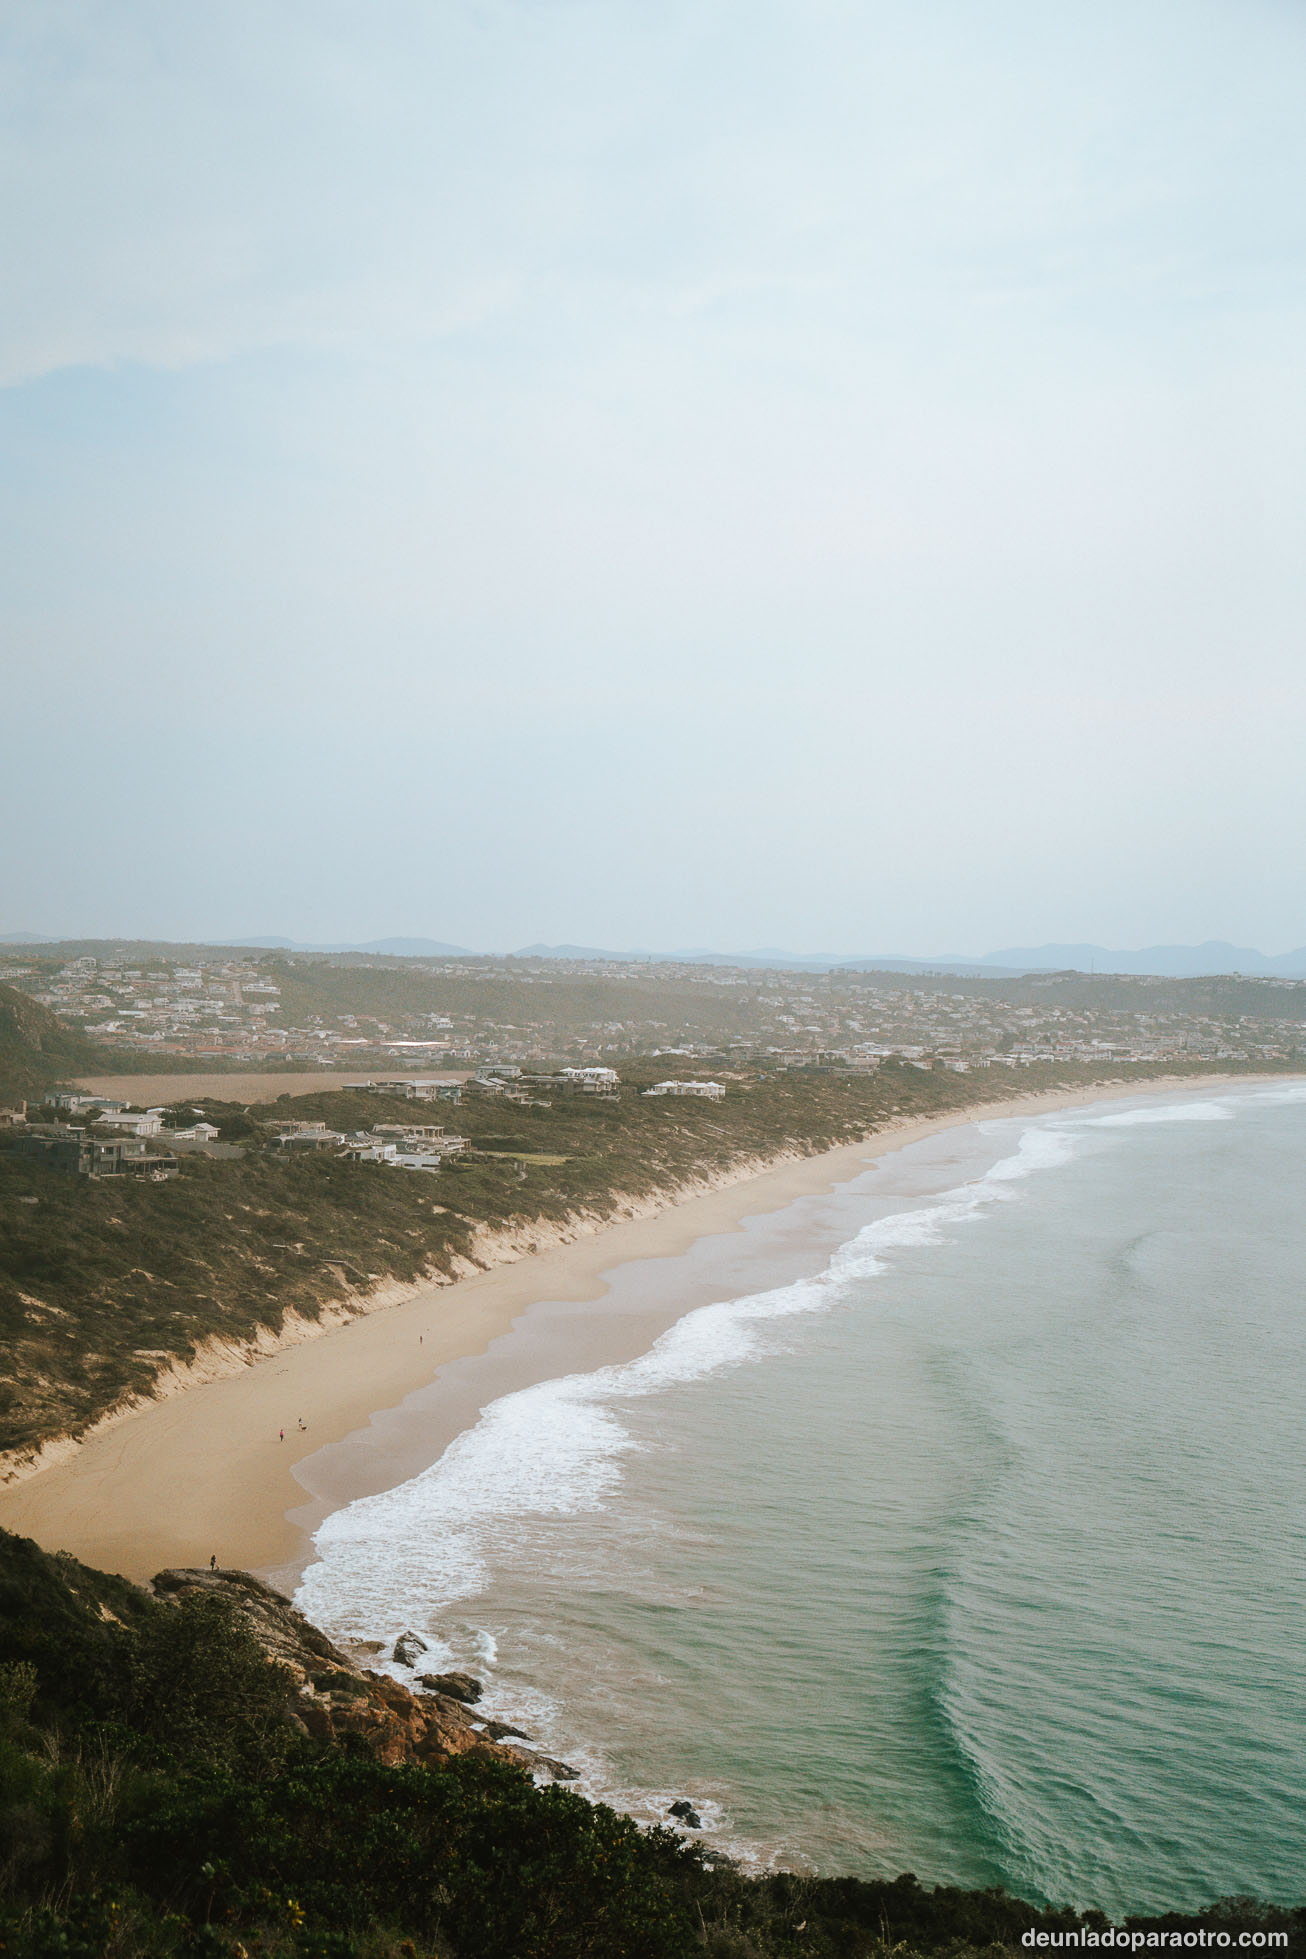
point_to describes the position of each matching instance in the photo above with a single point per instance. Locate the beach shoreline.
(208, 1469)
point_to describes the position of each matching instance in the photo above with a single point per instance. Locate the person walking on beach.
(281, 1435)
(213, 1562)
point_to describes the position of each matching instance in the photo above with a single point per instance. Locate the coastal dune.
(208, 1469)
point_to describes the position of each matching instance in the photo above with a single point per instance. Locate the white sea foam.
(614, 1601)
(552, 1450)
(478, 1553)
(1170, 1112)
(1290, 1091)
(1039, 1149)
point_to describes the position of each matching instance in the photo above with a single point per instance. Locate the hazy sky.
(724, 472)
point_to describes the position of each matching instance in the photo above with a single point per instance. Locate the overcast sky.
(721, 472)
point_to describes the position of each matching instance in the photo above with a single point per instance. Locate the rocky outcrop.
(560, 1771)
(459, 1686)
(333, 1695)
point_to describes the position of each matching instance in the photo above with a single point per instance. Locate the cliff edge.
(332, 1694)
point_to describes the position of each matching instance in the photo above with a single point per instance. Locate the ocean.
(955, 1525)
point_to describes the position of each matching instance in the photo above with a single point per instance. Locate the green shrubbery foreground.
(155, 1800)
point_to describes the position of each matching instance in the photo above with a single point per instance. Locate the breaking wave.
(402, 1557)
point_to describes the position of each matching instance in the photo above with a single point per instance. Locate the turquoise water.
(976, 1551)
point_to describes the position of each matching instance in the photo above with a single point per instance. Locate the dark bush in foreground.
(155, 1803)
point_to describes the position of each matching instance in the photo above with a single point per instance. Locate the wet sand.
(206, 1471)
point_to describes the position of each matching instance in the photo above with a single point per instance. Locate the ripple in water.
(977, 1553)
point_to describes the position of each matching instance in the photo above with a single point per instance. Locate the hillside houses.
(400, 1145)
(540, 1028)
(77, 1152)
(436, 1089)
(422, 1148)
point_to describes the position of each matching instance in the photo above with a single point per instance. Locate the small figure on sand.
(281, 1435)
(302, 1429)
(213, 1562)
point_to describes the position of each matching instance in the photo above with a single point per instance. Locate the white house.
(370, 1149)
(706, 1091)
(307, 1136)
(77, 1103)
(133, 1123)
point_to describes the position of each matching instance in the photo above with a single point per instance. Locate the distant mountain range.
(1172, 961)
(1165, 961)
(393, 948)
(767, 957)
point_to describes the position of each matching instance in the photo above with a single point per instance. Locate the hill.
(388, 948)
(36, 1048)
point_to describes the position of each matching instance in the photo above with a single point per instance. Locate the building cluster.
(220, 1008)
(440, 1088)
(533, 1029)
(113, 1141)
(512, 1083)
(836, 1025)
(399, 1145)
(960, 1033)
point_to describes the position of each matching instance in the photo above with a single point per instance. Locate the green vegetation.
(102, 1284)
(157, 1802)
(37, 1050)
(570, 1003)
(1224, 996)
(566, 1004)
(155, 1798)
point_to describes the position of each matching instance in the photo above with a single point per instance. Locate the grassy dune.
(103, 1283)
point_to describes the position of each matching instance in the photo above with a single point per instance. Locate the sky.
(729, 473)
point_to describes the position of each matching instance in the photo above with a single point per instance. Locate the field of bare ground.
(146, 1090)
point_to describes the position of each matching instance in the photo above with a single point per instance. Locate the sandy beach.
(205, 1471)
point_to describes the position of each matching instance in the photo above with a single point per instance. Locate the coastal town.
(85, 1134)
(652, 980)
(418, 1037)
(473, 1015)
